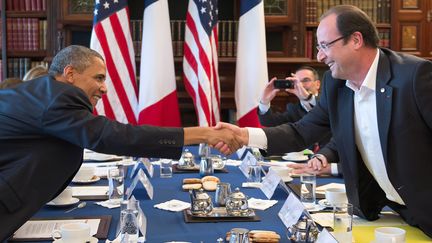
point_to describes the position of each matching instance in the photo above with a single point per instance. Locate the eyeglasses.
(325, 46)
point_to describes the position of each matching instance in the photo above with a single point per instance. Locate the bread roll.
(191, 186)
(191, 181)
(210, 178)
(209, 185)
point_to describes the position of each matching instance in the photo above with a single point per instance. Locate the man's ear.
(68, 73)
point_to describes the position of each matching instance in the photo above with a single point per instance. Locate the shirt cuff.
(308, 105)
(263, 108)
(257, 138)
(334, 169)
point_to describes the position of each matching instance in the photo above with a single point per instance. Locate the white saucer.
(295, 157)
(286, 179)
(64, 204)
(324, 203)
(92, 240)
(95, 178)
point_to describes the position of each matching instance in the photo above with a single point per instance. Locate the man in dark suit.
(45, 123)
(377, 104)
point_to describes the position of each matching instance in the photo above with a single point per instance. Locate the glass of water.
(129, 230)
(165, 168)
(308, 188)
(343, 216)
(116, 185)
(254, 173)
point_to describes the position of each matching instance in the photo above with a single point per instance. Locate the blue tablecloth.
(163, 226)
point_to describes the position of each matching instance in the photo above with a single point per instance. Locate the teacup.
(282, 171)
(85, 173)
(389, 235)
(72, 233)
(64, 197)
(336, 196)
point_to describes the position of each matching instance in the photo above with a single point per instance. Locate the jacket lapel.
(384, 95)
(346, 111)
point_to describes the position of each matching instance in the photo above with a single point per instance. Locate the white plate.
(92, 240)
(71, 202)
(324, 203)
(286, 179)
(295, 156)
(92, 180)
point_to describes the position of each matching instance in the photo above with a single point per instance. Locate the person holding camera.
(304, 84)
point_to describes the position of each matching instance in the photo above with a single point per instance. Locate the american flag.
(251, 67)
(158, 103)
(111, 37)
(200, 62)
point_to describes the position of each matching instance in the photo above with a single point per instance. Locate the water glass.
(342, 226)
(116, 185)
(254, 173)
(223, 190)
(165, 168)
(203, 150)
(308, 188)
(129, 230)
(206, 166)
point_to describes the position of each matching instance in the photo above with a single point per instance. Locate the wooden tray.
(177, 169)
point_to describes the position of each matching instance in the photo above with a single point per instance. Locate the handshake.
(225, 137)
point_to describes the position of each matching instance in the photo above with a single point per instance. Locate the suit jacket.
(293, 113)
(404, 112)
(44, 126)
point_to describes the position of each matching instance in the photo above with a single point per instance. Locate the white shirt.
(366, 132)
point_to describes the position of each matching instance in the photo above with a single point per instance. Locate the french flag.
(251, 68)
(158, 104)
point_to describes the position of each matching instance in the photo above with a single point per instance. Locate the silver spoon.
(80, 205)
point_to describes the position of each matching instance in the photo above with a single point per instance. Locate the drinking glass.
(342, 226)
(308, 187)
(254, 173)
(165, 168)
(129, 230)
(116, 185)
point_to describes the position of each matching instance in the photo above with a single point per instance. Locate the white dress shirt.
(366, 132)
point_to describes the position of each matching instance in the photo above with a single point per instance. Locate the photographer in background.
(306, 88)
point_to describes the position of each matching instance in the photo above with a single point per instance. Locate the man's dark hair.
(351, 19)
(79, 57)
(313, 70)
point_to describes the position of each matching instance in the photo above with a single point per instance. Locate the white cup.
(282, 171)
(389, 235)
(64, 197)
(336, 195)
(85, 173)
(72, 233)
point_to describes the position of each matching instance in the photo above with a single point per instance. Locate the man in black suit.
(377, 104)
(45, 123)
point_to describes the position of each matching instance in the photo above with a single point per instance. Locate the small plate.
(295, 157)
(324, 203)
(71, 202)
(92, 240)
(95, 178)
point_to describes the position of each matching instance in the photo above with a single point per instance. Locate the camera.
(283, 84)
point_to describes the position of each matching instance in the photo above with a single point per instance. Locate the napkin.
(118, 240)
(173, 205)
(252, 184)
(260, 204)
(107, 204)
(233, 162)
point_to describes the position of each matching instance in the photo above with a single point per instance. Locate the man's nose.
(103, 88)
(321, 55)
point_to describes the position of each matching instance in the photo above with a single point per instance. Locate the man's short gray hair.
(79, 57)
